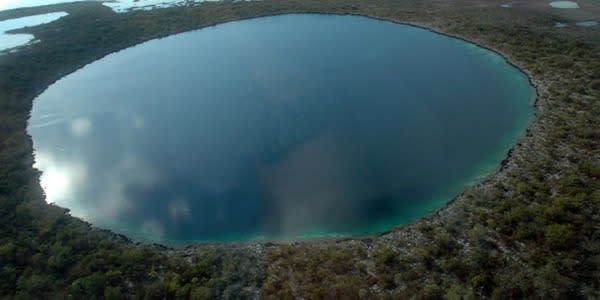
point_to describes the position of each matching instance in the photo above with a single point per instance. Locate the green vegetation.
(71, 261)
(531, 230)
(332, 272)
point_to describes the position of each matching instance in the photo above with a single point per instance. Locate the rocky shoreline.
(437, 216)
(532, 219)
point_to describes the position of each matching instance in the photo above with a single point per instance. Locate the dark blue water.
(278, 126)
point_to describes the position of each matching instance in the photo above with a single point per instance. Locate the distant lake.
(284, 126)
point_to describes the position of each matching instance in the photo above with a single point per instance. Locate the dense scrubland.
(532, 229)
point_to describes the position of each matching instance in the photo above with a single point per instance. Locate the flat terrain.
(530, 229)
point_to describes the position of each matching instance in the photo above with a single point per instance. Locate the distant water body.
(285, 126)
(8, 41)
(564, 4)
(119, 6)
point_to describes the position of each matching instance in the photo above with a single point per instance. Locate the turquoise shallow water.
(287, 126)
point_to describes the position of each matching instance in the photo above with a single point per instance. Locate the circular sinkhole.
(284, 126)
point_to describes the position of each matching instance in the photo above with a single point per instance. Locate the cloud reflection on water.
(217, 142)
(319, 182)
(81, 127)
(61, 180)
(179, 209)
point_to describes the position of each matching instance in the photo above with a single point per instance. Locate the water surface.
(564, 4)
(278, 126)
(119, 6)
(587, 24)
(8, 40)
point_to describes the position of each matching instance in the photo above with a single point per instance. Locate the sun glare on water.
(58, 179)
(54, 183)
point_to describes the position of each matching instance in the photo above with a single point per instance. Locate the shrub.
(557, 235)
